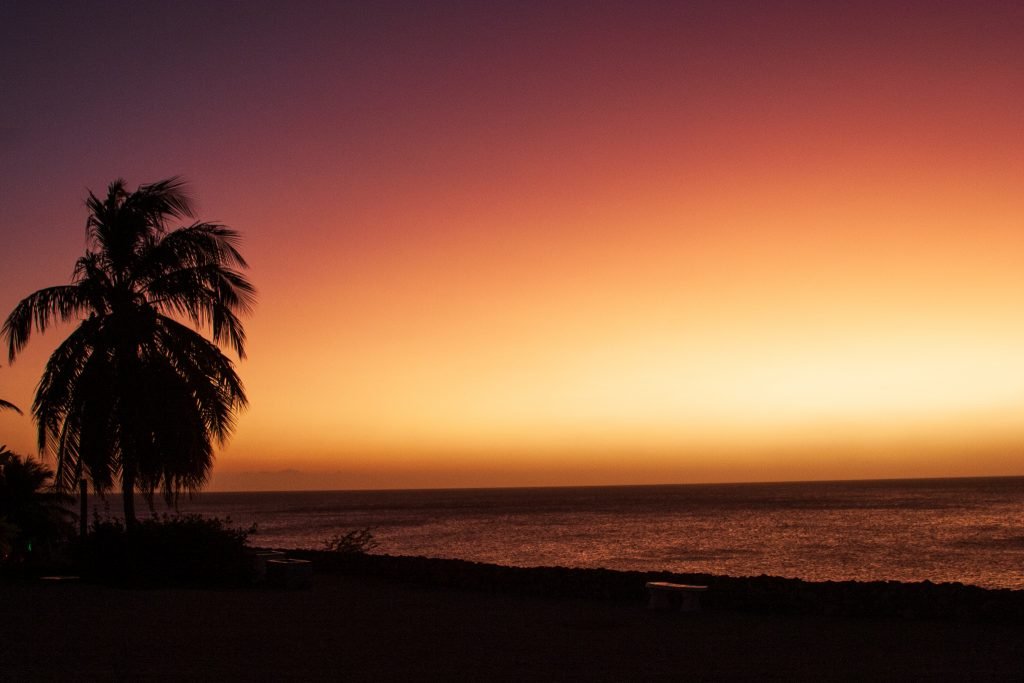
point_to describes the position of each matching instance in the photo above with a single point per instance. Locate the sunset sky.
(542, 243)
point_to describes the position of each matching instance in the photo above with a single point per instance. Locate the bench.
(674, 596)
(290, 574)
(259, 563)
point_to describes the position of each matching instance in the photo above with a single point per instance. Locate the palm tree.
(135, 393)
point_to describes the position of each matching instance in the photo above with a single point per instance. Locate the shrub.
(356, 542)
(169, 550)
(35, 522)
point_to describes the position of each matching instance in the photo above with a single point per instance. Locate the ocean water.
(967, 530)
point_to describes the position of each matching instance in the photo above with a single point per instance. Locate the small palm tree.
(33, 518)
(134, 393)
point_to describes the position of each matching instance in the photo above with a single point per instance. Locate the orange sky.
(542, 244)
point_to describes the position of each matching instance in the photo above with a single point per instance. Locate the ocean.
(966, 530)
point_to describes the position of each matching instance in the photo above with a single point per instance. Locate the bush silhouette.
(34, 521)
(178, 550)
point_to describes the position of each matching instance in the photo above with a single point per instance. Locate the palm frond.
(9, 406)
(209, 296)
(55, 392)
(40, 309)
(93, 281)
(197, 358)
(161, 200)
(95, 418)
(177, 453)
(197, 244)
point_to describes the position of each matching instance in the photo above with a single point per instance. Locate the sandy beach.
(365, 628)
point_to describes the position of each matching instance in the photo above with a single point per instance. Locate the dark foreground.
(364, 628)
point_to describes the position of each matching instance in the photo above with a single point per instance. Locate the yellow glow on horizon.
(694, 327)
(704, 336)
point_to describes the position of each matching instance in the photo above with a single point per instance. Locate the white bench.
(259, 563)
(290, 574)
(674, 596)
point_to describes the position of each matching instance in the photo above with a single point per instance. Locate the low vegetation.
(181, 550)
(35, 522)
(355, 542)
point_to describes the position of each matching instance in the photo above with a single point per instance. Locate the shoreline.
(750, 594)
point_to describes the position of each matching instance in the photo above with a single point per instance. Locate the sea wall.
(765, 594)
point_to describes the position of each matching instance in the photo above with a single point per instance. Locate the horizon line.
(865, 480)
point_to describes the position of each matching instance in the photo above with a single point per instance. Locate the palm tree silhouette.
(134, 393)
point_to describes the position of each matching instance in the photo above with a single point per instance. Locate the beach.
(370, 628)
